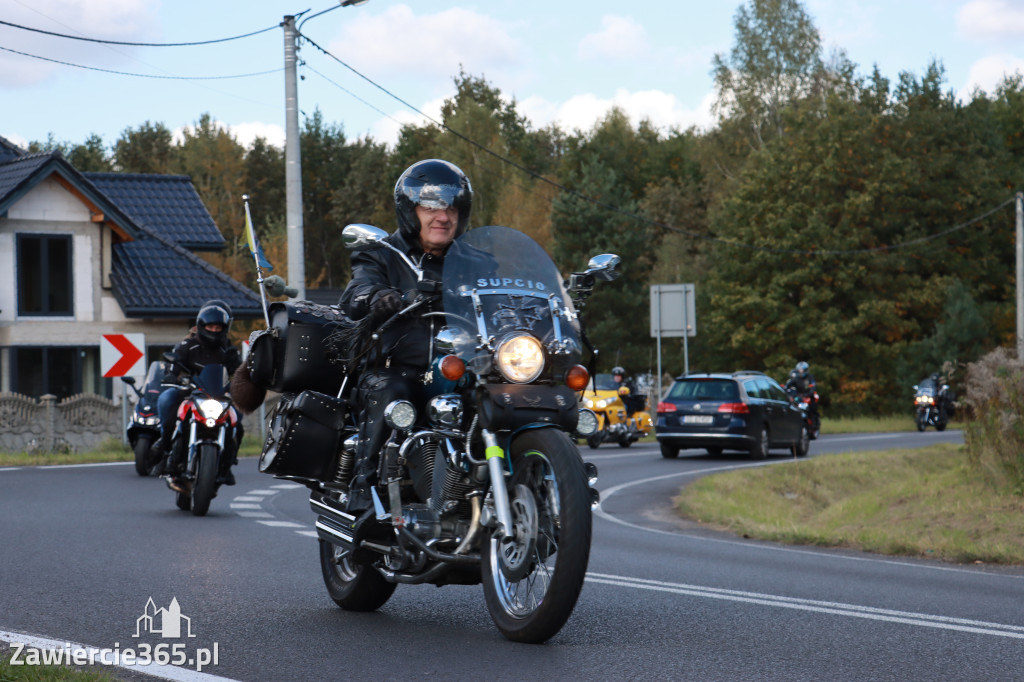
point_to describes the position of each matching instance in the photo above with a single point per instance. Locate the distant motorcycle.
(930, 404)
(607, 400)
(205, 440)
(144, 428)
(807, 403)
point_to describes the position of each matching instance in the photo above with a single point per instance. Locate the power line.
(615, 209)
(139, 75)
(120, 42)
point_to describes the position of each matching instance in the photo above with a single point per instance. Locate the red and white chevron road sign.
(122, 355)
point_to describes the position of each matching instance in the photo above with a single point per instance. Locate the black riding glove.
(385, 303)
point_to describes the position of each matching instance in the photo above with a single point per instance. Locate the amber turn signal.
(452, 368)
(577, 377)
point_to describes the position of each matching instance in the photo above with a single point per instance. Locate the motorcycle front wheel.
(532, 580)
(142, 465)
(922, 421)
(352, 586)
(204, 488)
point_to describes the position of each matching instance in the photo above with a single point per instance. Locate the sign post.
(673, 313)
(123, 355)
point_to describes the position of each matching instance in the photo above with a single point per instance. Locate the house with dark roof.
(83, 255)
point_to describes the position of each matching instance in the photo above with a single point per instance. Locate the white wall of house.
(50, 209)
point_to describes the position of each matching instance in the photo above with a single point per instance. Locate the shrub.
(994, 402)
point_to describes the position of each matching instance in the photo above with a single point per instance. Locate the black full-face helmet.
(432, 183)
(213, 312)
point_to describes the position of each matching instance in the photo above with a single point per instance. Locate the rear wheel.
(532, 580)
(352, 586)
(759, 450)
(669, 451)
(204, 487)
(142, 465)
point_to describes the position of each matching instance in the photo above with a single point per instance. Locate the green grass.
(924, 502)
(111, 450)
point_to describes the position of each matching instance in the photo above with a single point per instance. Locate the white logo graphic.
(163, 622)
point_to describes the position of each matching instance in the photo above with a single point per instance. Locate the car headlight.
(211, 409)
(520, 358)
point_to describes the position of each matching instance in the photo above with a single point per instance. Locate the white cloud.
(991, 19)
(246, 133)
(987, 73)
(426, 45)
(581, 112)
(126, 20)
(619, 38)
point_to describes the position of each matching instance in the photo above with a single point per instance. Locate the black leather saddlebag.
(510, 406)
(304, 436)
(295, 353)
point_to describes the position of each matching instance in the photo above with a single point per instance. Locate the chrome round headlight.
(400, 415)
(587, 423)
(520, 358)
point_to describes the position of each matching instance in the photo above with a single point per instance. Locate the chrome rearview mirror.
(359, 237)
(603, 266)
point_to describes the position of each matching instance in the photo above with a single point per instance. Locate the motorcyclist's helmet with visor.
(802, 368)
(432, 183)
(213, 314)
(618, 371)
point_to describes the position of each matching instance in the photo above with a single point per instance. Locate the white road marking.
(835, 608)
(244, 505)
(255, 514)
(282, 524)
(248, 498)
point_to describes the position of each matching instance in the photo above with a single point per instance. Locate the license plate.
(698, 419)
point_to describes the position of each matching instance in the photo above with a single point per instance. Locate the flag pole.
(251, 237)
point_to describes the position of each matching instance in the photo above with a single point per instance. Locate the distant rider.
(801, 382)
(633, 401)
(207, 343)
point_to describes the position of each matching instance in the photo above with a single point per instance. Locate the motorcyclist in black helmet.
(207, 343)
(631, 399)
(433, 199)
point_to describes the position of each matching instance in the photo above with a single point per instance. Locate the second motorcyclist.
(433, 199)
(207, 343)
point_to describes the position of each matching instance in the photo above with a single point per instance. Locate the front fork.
(193, 441)
(496, 468)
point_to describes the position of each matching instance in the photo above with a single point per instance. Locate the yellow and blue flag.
(254, 244)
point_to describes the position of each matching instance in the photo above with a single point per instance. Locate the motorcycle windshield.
(498, 281)
(212, 380)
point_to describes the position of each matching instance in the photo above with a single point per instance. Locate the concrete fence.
(75, 424)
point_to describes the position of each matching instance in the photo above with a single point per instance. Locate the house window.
(60, 370)
(44, 275)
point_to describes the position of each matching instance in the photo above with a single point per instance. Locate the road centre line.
(835, 608)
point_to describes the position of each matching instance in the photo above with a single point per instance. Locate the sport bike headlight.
(520, 358)
(211, 409)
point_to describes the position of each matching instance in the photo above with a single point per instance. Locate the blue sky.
(564, 61)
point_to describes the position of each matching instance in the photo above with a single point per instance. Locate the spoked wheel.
(142, 465)
(352, 586)
(204, 488)
(533, 579)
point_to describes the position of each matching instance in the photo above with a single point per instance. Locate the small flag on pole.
(254, 244)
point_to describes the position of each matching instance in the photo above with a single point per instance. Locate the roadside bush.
(994, 402)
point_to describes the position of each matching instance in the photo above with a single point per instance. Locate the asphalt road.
(83, 550)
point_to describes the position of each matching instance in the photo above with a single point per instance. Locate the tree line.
(831, 216)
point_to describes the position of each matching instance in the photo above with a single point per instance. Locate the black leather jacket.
(408, 341)
(190, 356)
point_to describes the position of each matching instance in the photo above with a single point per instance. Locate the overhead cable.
(121, 42)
